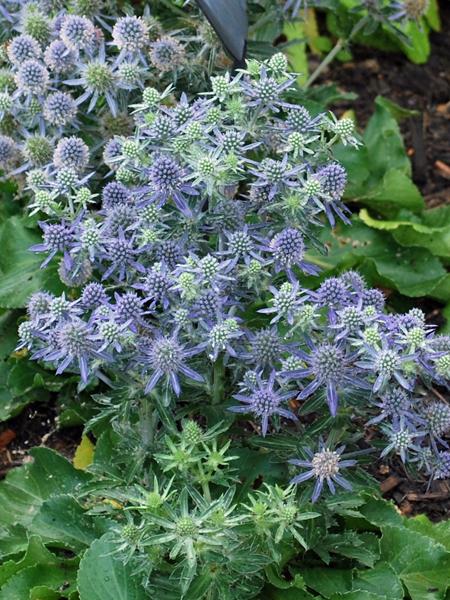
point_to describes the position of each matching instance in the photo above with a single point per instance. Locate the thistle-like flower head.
(59, 109)
(32, 77)
(130, 34)
(167, 54)
(71, 152)
(324, 465)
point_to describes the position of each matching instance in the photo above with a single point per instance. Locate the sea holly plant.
(187, 274)
(231, 400)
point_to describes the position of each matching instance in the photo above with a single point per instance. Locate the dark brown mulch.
(36, 426)
(414, 496)
(425, 88)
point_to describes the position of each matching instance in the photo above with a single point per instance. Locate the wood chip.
(443, 109)
(389, 484)
(413, 497)
(406, 507)
(6, 437)
(443, 168)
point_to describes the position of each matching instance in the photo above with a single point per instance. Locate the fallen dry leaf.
(6, 437)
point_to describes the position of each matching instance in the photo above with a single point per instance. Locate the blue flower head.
(59, 58)
(94, 295)
(60, 109)
(166, 359)
(324, 465)
(71, 152)
(8, 151)
(114, 194)
(130, 34)
(32, 78)
(22, 48)
(78, 33)
(264, 401)
(167, 54)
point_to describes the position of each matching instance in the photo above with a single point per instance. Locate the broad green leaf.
(422, 565)
(23, 382)
(105, 452)
(359, 595)
(363, 547)
(357, 164)
(9, 405)
(381, 512)
(381, 579)
(446, 313)
(430, 229)
(385, 143)
(8, 332)
(101, 576)
(271, 593)
(442, 290)
(414, 272)
(25, 489)
(438, 242)
(398, 112)
(36, 553)
(439, 532)
(413, 222)
(56, 577)
(275, 578)
(418, 49)
(38, 575)
(42, 592)
(20, 273)
(432, 17)
(63, 521)
(328, 581)
(13, 540)
(316, 42)
(8, 204)
(394, 191)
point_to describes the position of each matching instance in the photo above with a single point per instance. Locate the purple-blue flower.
(165, 358)
(264, 401)
(332, 368)
(323, 465)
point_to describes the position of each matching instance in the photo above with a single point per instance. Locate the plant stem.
(335, 51)
(147, 422)
(204, 483)
(218, 382)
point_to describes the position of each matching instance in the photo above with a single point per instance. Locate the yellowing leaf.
(312, 30)
(349, 114)
(296, 51)
(84, 454)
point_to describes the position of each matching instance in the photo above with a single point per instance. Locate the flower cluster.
(69, 71)
(210, 201)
